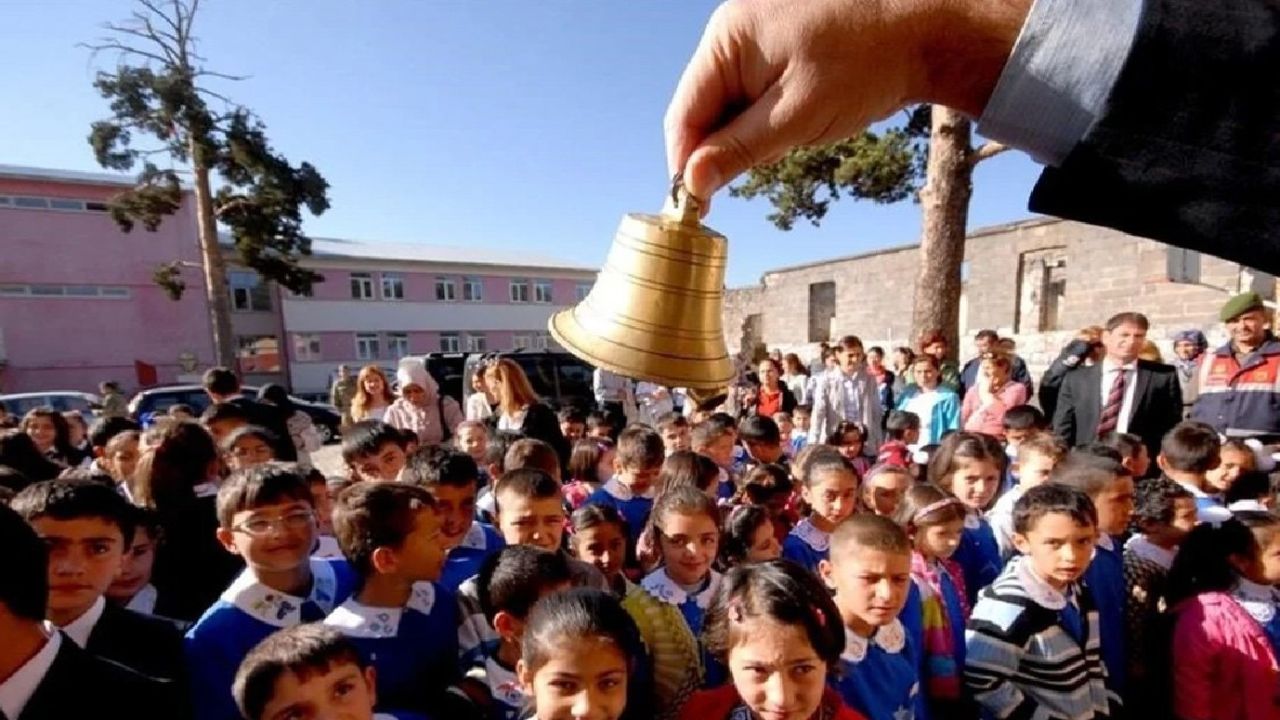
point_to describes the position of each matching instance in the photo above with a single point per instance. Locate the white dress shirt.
(1109, 370)
(16, 691)
(80, 628)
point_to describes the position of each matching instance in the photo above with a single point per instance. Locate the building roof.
(341, 249)
(21, 172)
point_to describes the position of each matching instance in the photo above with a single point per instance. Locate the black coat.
(1157, 405)
(266, 415)
(147, 645)
(541, 423)
(192, 568)
(79, 685)
(1072, 357)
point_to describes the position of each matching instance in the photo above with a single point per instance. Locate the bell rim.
(668, 380)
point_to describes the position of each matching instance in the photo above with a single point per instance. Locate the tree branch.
(228, 207)
(123, 49)
(213, 73)
(986, 151)
(155, 9)
(170, 52)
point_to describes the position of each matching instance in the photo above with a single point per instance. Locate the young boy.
(100, 435)
(1021, 422)
(453, 481)
(1037, 456)
(573, 423)
(306, 671)
(266, 516)
(799, 435)
(495, 458)
(1164, 513)
(322, 501)
(763, 439)
(785, 427)
(599, 426)
(713, 440)
(869, 570)
(221, 419)
(1133, 452)
(132, 588)
(87, 527)
(675, 432)
(1109, 487)
(510, 582)
(636, 467)
(373, 451)
(531, 453)
(1187, 453)
(902, 433)
(1031, 649)
(472, 439)
(401, 621)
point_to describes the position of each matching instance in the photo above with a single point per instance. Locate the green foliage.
(169, 277)
(883, 167)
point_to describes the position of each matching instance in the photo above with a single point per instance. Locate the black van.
(557, 377)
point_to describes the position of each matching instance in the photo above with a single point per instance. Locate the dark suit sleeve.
(1188, 148)
(1064, 414)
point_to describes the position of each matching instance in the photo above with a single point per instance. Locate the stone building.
(1037, 281)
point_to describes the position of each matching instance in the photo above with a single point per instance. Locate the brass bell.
(654, 312)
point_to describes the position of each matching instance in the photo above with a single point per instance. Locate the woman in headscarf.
(1188, 348)
(421, 408)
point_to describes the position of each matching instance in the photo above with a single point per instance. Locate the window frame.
(394, 341)
(519, 284)
(306, 347)
(446, 288)
(365, 341)
(450, 342)
(544, 292)
(365, 279)
(392, 277)
(470, 284)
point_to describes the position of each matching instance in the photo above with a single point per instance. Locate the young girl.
(778, 631)
(829, 489)
(78, 433)
(49, 431)
(937, 405)
(581, 657)
(132, 588)
(883, 487)
(1235, 458)
(685, 468)
(590, 466)
(969, 468)
(850, 439)
(748, 537)
(1222, 596)
(120, 458)
(936, 612)
(600, 538)
(373, 395)
(248, 446)
(671, 602)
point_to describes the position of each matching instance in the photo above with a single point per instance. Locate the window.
(519, 290)
(1183, 266)
(248, 292)
(78, 292)
(366, 346)
(1042, 290)
(306, 348)
(822, 310)
(361, 286)
(521, 342)
(31, 202)
(446, 289)
(62, 204)
(541, 341)
(542, 291)
(581, 290)
(258, 354)
(476, 342)
(472, 289)
(47, 203)
(48, 290)
(398, 344)
(392, 286)
(448, 342)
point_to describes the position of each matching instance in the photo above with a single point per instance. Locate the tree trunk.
(215, 270)
(945, 199)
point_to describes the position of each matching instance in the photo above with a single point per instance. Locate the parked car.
(557, 377)
(18, 404)
(156, 400)
(449, 370)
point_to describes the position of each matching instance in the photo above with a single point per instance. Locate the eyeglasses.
(292, 522)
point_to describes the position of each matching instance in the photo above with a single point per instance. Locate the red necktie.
(1110, 417)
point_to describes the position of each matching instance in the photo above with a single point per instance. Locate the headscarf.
(1187, 368)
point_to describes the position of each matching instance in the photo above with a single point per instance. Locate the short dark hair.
(640, 448)
(986, 333)
(103, 429)
(1024, 417)
(782, 592)
(765, 482)
(1191, 447)
(672, 420)
(221, 381)
(875, 532)
(1153, 501)
(434, 465)
(303, 650)
(707, 432)
(1249, 486)
(514, 578)
(73, 500)
(900, 422)
(267, 437)
(1127, 318)
(1050, 498)
(759, 428)
(370, 515)
(805, 408)
(1088, 472)
(723, 420)
(526, 483)
(24, 585)
(1127, 444)
(740, 527)
(849, 342)
(260, 485)
(222, 412)
(597, 419)
(495, 452)
(571, 414)
(532, 453)
(366, 438)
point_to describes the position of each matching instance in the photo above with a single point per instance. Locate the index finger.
(702, 97)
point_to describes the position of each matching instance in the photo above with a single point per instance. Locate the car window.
(575, 381)
(541, 371)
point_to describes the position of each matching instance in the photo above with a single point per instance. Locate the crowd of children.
(704, 568)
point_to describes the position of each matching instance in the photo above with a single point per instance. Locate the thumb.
(755, 136)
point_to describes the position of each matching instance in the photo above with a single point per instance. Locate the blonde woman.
(520, 410)
(373, 395)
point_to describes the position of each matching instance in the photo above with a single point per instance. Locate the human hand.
(771, 75)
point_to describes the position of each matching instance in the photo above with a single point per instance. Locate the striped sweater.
(1020, 660)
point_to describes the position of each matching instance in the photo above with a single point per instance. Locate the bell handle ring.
(681, 206)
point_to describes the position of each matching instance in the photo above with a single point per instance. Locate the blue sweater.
(978, 555)
(806, 545)
(634, 508)
(1105, 580)
(464, 561)
(879, 676)
(247, 613)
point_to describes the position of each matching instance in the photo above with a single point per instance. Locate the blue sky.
(504, 123)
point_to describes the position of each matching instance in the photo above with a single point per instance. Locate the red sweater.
(718, 703)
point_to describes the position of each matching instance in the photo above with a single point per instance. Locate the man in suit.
(45, 676)
(1121, 393)
(222, 386)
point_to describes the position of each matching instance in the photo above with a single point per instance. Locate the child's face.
(1141, 463)
(801, 419)
(599, 432)
(1175, 531)
(1265, 568)
(531, 521)
(456, 507)
(925, 375)
(323, 504)
(248, 452)
(639, 480)
(720, 450)
(870, 585)
(573, 431)
(136, 568)
(1014, 437)
(1233, 463)
(939, 541)
(342, 692)
(975, 482)
(776, 671)
(382, 466)
(884, 491)
(676, 437)
(1058, 548)
(851, 445)
(42, 433)
(273, 538)
(220, 429)
(85, 555)
(473, 441)
(604, 545)
(420, 558)
(122, 460)
(1115, 506)
(763, 452)
(831, 496)
(785, 426)
(76, 432)
(582, 679)
(688, 544)
(1034, 469)
(764, 544)
(911, 436)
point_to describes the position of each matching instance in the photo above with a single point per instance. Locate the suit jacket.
(79, 685)
(146, 645)
(829, 406)
(1185, 151)
(1157, 404)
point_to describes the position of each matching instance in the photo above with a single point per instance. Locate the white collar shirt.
(16, 691)
(82, 627)
(1109, 370)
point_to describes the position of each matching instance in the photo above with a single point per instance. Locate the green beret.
(1240, 304)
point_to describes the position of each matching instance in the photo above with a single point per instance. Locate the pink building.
(77, 301)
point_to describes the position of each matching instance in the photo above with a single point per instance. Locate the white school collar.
(355, 619)
(1142, 547)
(81, 628)
(17, 689)
(1036, 588)
(279, 609)
(206, 489)
(1106, 542)
(661, 586)
(144, 601)
(810, 535)
(618, 491)
(1247, 506)
(891, 638)
(1258, 600)
(475, 538)
(1195, 491)
(972, 520)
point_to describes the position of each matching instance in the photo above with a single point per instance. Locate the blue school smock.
(245, 614)
(1105, 580)
(414, 648)
(464, 561)
(879, 676)
(1261, 602)
(693, 608)
(806, 545)
(912, 618)
(635, 509)
(726, 489)
(978, 555)
(498, 679)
